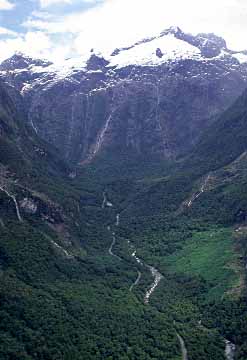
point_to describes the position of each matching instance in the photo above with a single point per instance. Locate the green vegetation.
(209, 255)
(64, 296)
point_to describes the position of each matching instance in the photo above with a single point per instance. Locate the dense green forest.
(64, 295)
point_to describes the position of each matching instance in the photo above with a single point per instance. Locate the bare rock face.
(28, 206)
(153, 98)
(19, 61)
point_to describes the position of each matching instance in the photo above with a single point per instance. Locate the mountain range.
(159, 94)
(123, 203)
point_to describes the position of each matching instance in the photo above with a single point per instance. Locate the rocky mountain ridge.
(154, 98)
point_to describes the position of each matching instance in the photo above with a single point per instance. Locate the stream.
(154, 272)
(15, 202)
(139, 275)
(110, 250)
(157, 276)
(183, 347)
(229, 350)
(106, 203)
(198, 194)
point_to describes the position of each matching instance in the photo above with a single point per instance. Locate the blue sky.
(57, 29)
(24, 9)
(21, 23)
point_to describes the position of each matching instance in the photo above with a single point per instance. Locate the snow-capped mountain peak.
(171, 45)
(169, 48)
(156, 51)
(158, 85)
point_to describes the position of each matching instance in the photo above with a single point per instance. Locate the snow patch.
(242, 58)
(145, 54)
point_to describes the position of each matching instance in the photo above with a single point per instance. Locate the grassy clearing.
(210, 255)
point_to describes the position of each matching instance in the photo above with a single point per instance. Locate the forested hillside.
(123, 258)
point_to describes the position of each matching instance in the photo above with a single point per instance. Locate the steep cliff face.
(152, 98)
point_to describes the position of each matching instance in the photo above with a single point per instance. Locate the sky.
(59, 29)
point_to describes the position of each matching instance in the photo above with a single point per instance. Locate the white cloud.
(47, 3)
(5, 31)
(6, 5)
(35, 44)
(117, 23)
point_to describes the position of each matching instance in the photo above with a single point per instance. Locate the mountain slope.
(190, 223)
(153, 98)
(61, 292)
(128, 257)
(228, 140)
